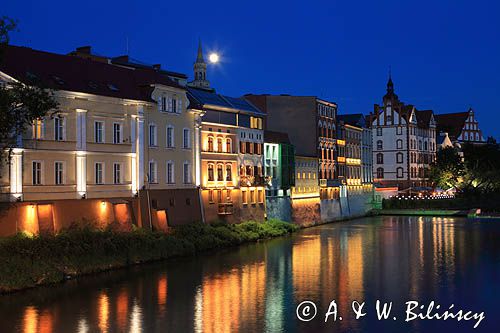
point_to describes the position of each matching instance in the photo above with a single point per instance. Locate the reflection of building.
(404, 142)
(461, 126)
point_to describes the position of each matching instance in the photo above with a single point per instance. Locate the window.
(187, 173)
(399, 158)
(152, 135)
(170, 137)
(244, 197)
(38, 129)
(228, 195)
(380, 158)
(379, 131)
(219, 195)
(399, 172)
(260, 195)
(220, 175)
(229, 145)
(229, 171)
(174, 105)
(211, 172)
(420, 144)
(380, 173)
(37, 173)
(425, 145)
(399, 144)
(153, 172)
(117, 133)
(117, 173)
(210, 143)
(59, 173)
(252, 196)
(99, 173)
(380, 145)
(58, 128)
(399, 130)
(170, 172)
(211, 196)
(163, 104)
(187, 139)
(389, 118)
(219, 144)
(99, 132)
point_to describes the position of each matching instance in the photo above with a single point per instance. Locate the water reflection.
(256, 288)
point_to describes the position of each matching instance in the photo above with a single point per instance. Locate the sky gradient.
(444, 55)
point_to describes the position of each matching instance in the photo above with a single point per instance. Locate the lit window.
(220, 176)
(211, 172)
(229, 169)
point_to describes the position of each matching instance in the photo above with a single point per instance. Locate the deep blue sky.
(445, 55)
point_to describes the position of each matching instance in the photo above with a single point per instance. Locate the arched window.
(380, 145)
(420, 144)
(229, 169)
(380, 173)
(399, 172)
(220, 173)
(229, 145)
(399, 144)
(399, 158)
(425, 145)
(210, 143)
(219, 144)
(210, 172)
(380, 158)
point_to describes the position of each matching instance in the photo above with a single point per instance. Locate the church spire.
(200, 70)
(199, 58)
(390, 84)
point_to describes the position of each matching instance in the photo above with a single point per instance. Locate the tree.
(482, 165)
(448, 169)
(21, 103)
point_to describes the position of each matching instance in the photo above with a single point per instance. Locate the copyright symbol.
(306, 311)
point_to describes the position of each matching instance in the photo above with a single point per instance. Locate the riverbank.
(32, 261)
(423, 212)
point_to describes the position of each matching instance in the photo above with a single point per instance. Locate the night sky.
(444, 55)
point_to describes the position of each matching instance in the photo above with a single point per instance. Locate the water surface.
(256, 288)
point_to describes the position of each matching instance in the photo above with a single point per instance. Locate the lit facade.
(404, 142)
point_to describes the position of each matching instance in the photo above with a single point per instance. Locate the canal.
(257, 287)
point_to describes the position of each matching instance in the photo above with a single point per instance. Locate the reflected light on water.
(122, 309)
(83, 327)
(136, 318)
(103, 312)
(162, 291)
(30, 320)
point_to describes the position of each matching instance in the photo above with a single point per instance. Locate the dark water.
(256, 288)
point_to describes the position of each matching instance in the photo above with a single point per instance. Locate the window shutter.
(169, 101)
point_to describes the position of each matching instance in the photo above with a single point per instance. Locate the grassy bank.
(30, 261)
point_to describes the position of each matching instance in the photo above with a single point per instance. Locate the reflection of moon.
(213, 57)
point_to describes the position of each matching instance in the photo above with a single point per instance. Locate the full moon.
(213, 57)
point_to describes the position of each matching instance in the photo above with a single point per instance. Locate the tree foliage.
(21, 103)
(448, 170)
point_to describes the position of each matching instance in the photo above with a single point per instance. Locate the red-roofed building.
(461, 126)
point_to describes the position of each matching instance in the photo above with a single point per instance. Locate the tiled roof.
(70, 73)
(452, 123)
(424, 118)
(201, 97)
(276, 137)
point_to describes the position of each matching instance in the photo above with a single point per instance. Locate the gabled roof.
(70, 73)
(276, 137)
(452, 123)
(424, 118)
(205, 98)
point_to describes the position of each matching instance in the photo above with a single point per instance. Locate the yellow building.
(120, 130)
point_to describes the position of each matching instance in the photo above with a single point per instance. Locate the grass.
(30, 261)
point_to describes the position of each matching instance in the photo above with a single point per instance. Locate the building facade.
(461, 127)
(404, 142)
(108, 140)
